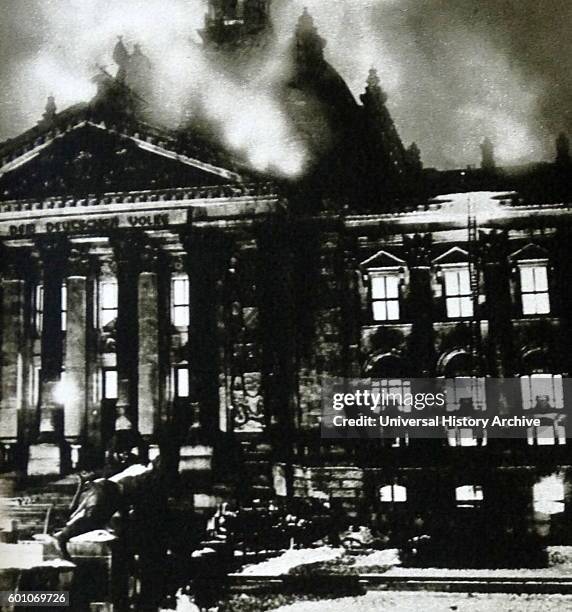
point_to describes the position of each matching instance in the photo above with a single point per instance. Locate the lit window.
(180, 301)
(385, 296)
(542, 392)
(38, 308)
(465, 394)
(64, 307)
(468, 496)
(110, 386)
(182, 381)
(393, 494)
(466, 436)
(108, 302)
(458, 296)
(534, 289)
(548, 494)
(393, 390)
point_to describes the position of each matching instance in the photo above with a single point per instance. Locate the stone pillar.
(127, 247)
(149, 344)
(419, 306)
(75, 366)
(46, 455)
(206, 253)
(14, 349)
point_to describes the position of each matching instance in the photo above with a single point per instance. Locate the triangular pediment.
(529, 252)
(382, 259)
(86, 156)
(455, 255)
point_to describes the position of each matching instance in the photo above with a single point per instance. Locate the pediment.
(455, 255)
(529, 252)
(382, 259)
(88, 157)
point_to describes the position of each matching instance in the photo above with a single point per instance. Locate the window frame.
(534, 264)
(177, 369)
(102, 308)
(385, 272)
(185, 305)
(392, 488)
(460, 295)
(104, 384)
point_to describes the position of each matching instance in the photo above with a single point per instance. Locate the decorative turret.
(413, 158)
(487, 155)
(50, 112)
(310, 45)
(563, 150)
(389, 156)
(236, 23)
(121, 58)
(374, 94)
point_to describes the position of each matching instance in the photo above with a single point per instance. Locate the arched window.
(465, 395)
(386, 371)
(542, 395)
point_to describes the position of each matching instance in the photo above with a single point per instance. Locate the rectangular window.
(393, 391)
(108, 302)
(38, 308)
(458, 297)
(534, 289)
(110, 386)
(182, 382)
(469, 496)
(64, 307)
(385, 296)
(542, 392)
(393, 494)
(466, 394)
(180, 301)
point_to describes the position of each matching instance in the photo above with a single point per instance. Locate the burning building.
(197, 280)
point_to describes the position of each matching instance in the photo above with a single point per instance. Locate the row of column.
(140, 362)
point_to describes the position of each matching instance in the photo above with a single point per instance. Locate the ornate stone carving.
(418, 249)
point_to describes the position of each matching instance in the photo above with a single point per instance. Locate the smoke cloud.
(454, 70)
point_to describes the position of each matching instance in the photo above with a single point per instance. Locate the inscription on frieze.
(92, 224)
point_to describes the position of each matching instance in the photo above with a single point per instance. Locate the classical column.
(46, 455)
(206, 253)
(420, 305)
(14, 350)
(76, 358)
(149, 343)
(127, 247)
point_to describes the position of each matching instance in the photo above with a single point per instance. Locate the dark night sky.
(455, 70)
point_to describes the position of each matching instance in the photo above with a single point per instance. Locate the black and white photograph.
(285, 305)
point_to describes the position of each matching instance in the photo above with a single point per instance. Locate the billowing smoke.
(455, 71)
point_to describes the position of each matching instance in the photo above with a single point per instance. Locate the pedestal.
(45, 460)
(102, 570)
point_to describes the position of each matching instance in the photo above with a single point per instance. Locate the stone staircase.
(34, 508)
